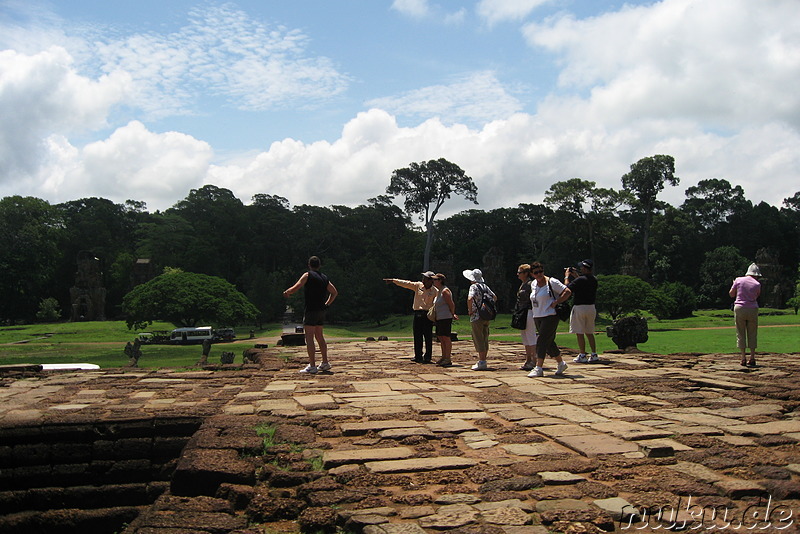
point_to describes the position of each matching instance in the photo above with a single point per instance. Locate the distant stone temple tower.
(88, 296)
(143, 271)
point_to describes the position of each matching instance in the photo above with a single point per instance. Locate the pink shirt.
(747, 291)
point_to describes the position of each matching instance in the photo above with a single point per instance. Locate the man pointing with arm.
(424, 295)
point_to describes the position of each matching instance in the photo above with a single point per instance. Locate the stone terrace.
(381, 445)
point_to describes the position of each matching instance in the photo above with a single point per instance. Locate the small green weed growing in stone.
(267, 434)
(316, 463)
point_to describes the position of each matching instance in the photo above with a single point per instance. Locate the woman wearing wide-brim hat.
(478, 290)
(746, 290)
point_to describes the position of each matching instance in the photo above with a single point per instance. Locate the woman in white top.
(546, 293)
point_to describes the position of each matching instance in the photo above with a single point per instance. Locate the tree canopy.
(426, 186)
(261, 247)
(186, 299)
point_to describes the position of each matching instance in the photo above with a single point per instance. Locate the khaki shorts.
(581, 319)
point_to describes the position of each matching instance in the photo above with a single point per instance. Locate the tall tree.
(592, 207)
(712, 201)
(645, 181)
(426, 186)
(32, 234)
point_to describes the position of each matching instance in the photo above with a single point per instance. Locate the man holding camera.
(583, 314)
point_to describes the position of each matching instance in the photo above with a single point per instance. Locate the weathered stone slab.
(698, 418)
(571, 413)
(618, 508)
(455, 426)
(356, 429)
(554, 478)
(420, 464)
(518, 414)
(554, 431)
(717, 383)
(334, 458)
(562, 504)
(508, 503)
(535, 449)
(456, 498)
(506, 516)
(750, 410)
(394, 528)
(402, 433)
(698, 471)
(449, 520)
(764, 429)
(483, 444)
(629, 431)
(597, 444)
(616, 411)
(736, 488)
(444, 407)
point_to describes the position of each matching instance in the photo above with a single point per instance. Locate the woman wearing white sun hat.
(746, 290)
(478, 291)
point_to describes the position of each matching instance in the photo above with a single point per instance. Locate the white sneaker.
(527, 366)
(324, 366)
(537, 371)
(581, 358)
(480, 366)
(311, 369)
(562, 366)
(594, 358)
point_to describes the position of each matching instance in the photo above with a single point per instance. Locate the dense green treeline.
(693, 250)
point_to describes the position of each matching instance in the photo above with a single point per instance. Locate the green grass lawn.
(102, 343)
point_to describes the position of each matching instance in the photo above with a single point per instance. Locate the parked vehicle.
(191, 335)
(224, 334)
(156, 337)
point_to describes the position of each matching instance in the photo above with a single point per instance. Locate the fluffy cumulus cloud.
(41, 95)
(718, 62)
(710, 82)
(133, 163)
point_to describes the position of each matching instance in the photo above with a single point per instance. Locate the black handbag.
(519, 319)
(562, 310)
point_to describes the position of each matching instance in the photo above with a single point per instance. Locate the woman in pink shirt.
(745, 290)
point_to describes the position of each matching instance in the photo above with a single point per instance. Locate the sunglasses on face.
(537, 272)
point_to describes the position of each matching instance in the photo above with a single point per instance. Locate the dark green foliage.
(48, 311)
(717, 272)
(619, 294)
(672, 300)
(31, 240)
(262, 248)
(187, 299)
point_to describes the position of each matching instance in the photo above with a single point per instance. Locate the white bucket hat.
(473, 275)
(753, 270)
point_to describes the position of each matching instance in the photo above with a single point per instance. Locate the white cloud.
(495, 11)
(710, 82)
(412, 8)
(133, 163)
(476, 97)
(724, 63)
(222, 51)
(42, 94)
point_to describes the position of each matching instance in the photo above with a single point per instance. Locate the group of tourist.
(538, 298)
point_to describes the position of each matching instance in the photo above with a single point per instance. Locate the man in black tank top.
(319, 295)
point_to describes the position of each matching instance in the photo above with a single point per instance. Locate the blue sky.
(319, 100)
